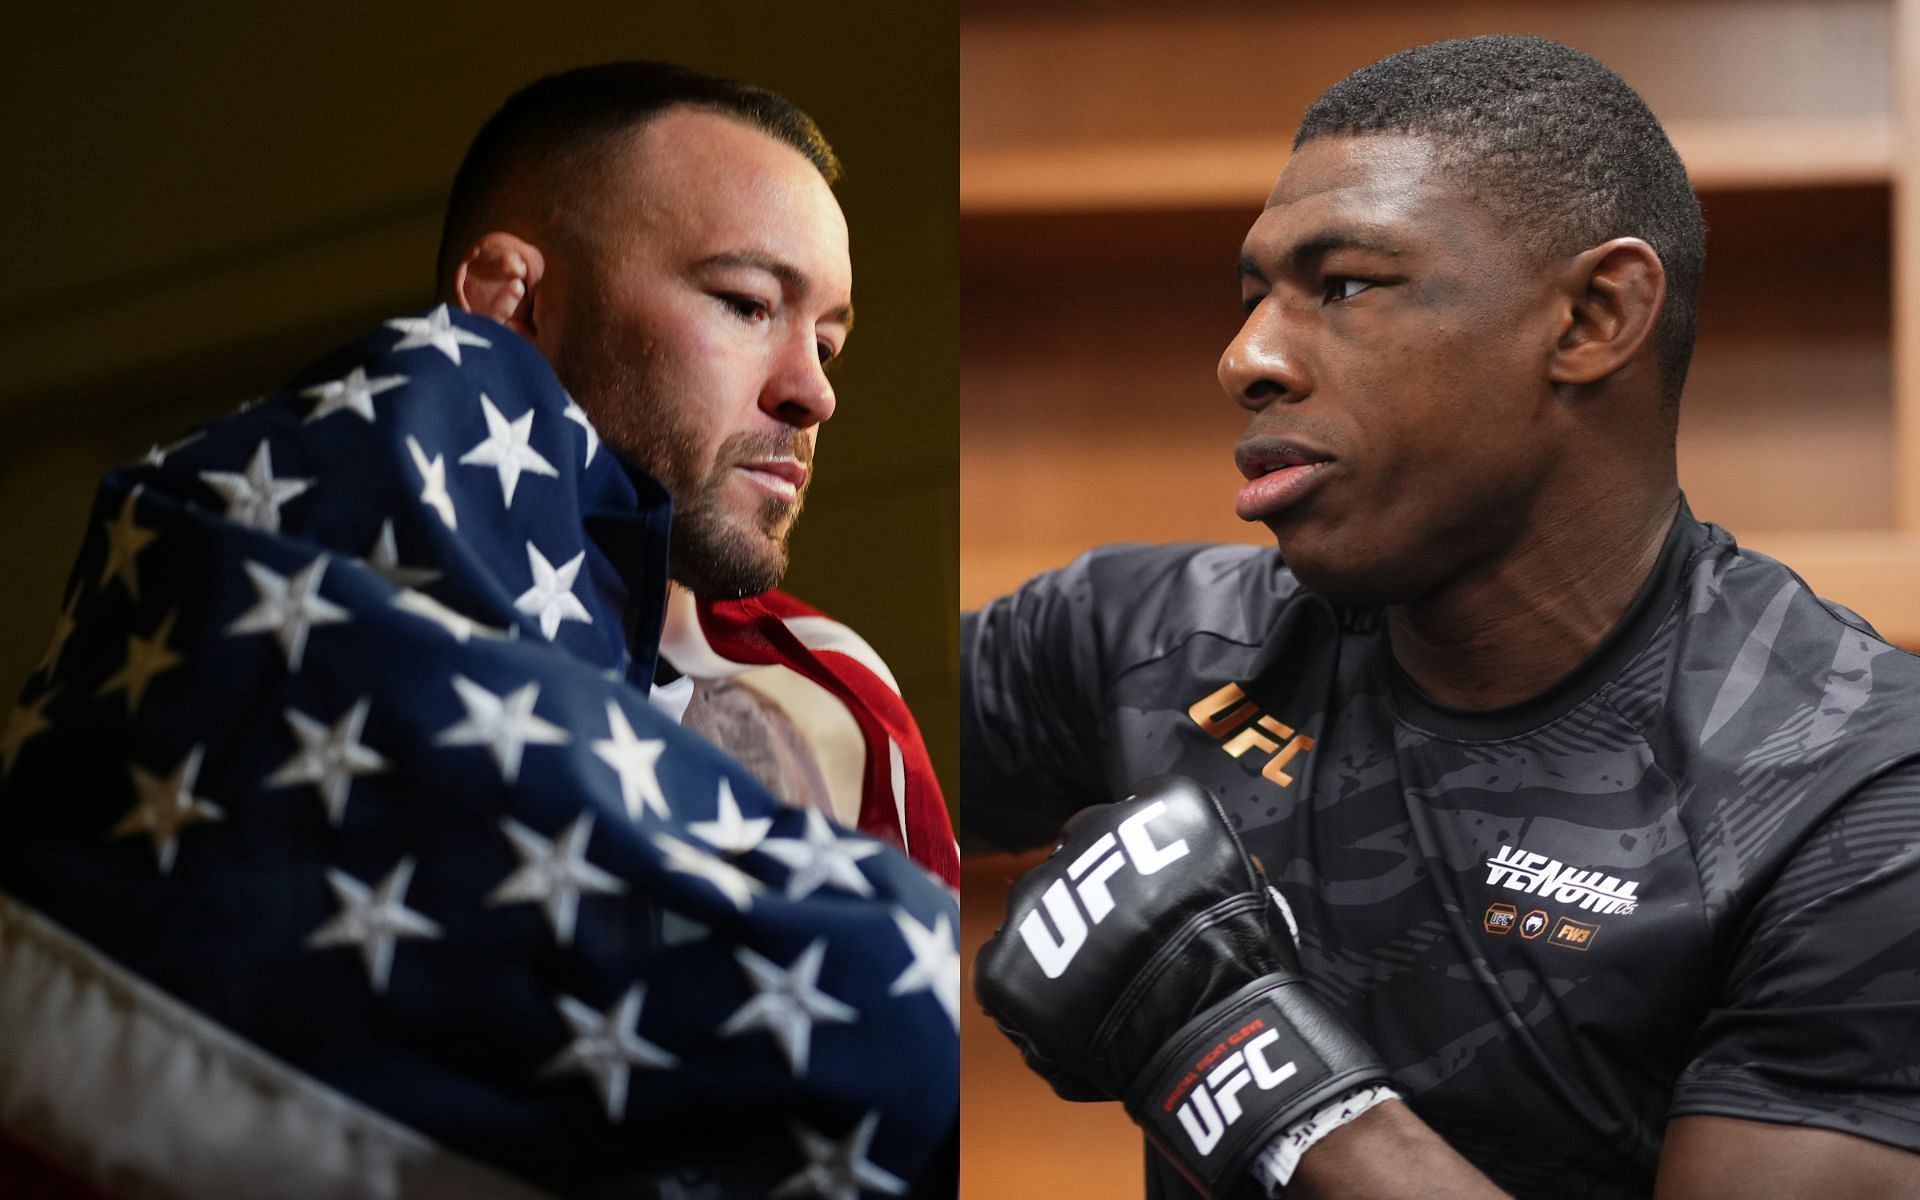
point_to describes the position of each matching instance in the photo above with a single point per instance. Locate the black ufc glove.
(1143, 962)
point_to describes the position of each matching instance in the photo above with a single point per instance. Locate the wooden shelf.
(1212, 172)
(1746, 152)
(1198, 173)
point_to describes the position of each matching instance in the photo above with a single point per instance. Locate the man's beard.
(720, 555)
(715, 553)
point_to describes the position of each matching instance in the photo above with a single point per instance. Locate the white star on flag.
(821, 858)
(553, 874)
(433, 489)
(727, 879)
(459, 625)
(125, 540)
(288, 607)
(729, 832)
(167, 806)
(255, 496)
(157, 456)
(838, 1170)
(28, 720)
(354, 392)
(635, 760)
(787, 1002)
(372, 920)
(329, 758)
(507, 449)
(384, 557)
(936, 962)
(504, 724)
(606, 1047)
(578, 416)
(551, 597)
(676, 930)
(436, 329)
(63, 627)
(146, 657)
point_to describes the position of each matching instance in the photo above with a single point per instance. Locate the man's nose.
(799, 393)
(1262, 364)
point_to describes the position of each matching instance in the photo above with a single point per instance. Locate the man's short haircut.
(565, 131)
(1556, 142)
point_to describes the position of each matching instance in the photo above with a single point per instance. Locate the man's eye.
(826, 352)
(1249, 303)
(1342, 287)
(747, 308)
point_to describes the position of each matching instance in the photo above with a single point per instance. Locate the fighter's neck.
(1509, 632)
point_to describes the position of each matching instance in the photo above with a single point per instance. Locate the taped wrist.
(1274, 1168)
(1242, 1073)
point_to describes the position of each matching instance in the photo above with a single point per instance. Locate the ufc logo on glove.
(1185, 999)
(1215, 1104)
(1053, 950)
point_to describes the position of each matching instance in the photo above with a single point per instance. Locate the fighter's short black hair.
(1564, 149)
(565, 128)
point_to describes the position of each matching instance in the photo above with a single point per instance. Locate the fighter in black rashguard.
(1684, 880)
(1641, 911)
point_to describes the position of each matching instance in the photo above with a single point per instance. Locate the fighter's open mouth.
(1279, 473)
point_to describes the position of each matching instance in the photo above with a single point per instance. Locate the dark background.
(200, 198)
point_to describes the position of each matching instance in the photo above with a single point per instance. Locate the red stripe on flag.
(753, 630)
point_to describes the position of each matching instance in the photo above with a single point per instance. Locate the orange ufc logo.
(1228, 710)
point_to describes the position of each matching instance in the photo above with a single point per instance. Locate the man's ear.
(499, 277)
(1613, 293)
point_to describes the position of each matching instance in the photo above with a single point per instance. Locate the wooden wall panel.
(1117, 72)
(1018, 1141)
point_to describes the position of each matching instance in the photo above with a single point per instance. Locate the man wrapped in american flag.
(397, 810)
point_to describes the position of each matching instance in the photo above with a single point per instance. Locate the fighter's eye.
(1343, 287)
(826, 352)
(1249, 303)
(747, 308)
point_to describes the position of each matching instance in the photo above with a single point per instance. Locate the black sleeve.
(1031, 701)
(1042, 670)
(1818, 1022)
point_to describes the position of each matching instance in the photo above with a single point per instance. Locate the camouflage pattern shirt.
(1684, 879)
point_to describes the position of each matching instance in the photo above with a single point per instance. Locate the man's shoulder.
(1773, 681)
(1774, 631)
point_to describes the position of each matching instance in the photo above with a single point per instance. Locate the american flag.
(341, 853)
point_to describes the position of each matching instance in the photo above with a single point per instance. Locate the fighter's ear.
(1613, 294)
(499, 277)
